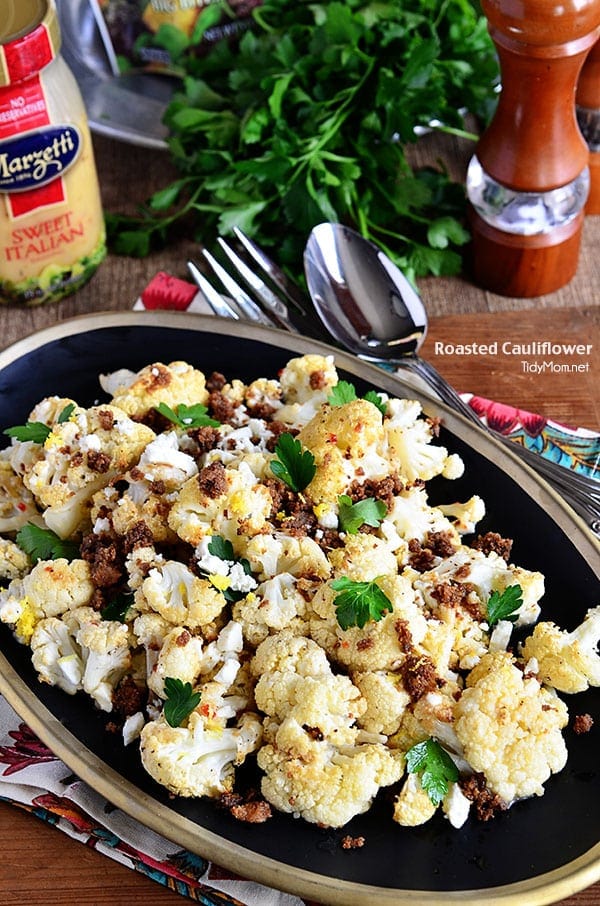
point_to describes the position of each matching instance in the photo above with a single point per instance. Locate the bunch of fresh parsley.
(308, 119)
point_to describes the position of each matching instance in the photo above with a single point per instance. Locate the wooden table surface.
(41, 866)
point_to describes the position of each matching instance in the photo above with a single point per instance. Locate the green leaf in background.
(359, 602)
(293, 465)
(504, 605)
(365, 512)
(311, 115)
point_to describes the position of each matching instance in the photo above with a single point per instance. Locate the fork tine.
(273, 271)
(246, 305)
(215, 300)
(274, 305)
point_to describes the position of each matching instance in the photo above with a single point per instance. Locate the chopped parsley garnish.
(117, 608)
(38, 432)
(188, 416)
(293, 465)
(364, 512)
(435, 766)
(181, 701)
(359, 602)
(44, 544)
(504, 605)
(345, 392)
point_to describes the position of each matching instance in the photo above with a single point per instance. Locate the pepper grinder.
(588, 117)
(528, 182)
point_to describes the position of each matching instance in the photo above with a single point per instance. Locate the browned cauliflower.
(510, 727)
(567, 661)
(173, 384)
(80, 456)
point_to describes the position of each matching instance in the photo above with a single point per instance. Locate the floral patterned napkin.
(34, 779)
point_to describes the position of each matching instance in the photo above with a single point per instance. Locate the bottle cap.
(29, 38)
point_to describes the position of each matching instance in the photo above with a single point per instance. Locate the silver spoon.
(368, 306)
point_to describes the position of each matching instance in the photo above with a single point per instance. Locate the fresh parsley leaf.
(359, 602)
(503, 605)
(44, 544)
(343, 392)
(373, 397)
(257, 141)
(117, 608)
(221, 548)
(364, 512)
(181, 701)
(66, 413)
(34, 431)
(435, 766)
(38, 432)
(293, 465)
(188, 416)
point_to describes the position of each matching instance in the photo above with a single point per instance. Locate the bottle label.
(24, 119)
(37, 158)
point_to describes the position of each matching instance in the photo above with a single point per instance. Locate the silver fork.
(287, 308)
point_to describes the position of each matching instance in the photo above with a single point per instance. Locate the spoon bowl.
(363, 299)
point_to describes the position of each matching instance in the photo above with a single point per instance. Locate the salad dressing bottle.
(52, 235)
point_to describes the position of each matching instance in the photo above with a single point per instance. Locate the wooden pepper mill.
(528, 181)
(588, 117)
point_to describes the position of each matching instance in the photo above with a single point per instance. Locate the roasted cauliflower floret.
(51, 588)
(510, 728)
(17, 505)
(321, 783)
(173, 384)
(240, 505)
(409, 444)
(14, 562)
(82, 651)
(363, 557)
(173, 591)
(181, 656)
(305, 384)
(344, 441)
(274, 605)
(378, 645)
(272, 555)
(412, 805)
(80, 456)
(198, 759)
(386, 701)
(413, 517)
(567, 661)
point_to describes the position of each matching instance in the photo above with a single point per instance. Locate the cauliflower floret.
(409, 444)
(510, 728)
(172, 384)
(310, 777)
(181, 656)
(139, 562)
(377, 645)
(241, 509)
(22, 455)
(344, 441)
(305, 384)
(412, 805)
(51, 588)
(386, 701)
(196, 759)
(14, 562)
(163, 461)
(272, 555)
(567, 661)
(483, 574)
(413, 517)
(465, 516)
(363, 557)
(17, 505)
(80, 456)
(173, 591)
(286, 652)
(82, 651)
(274, 605)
